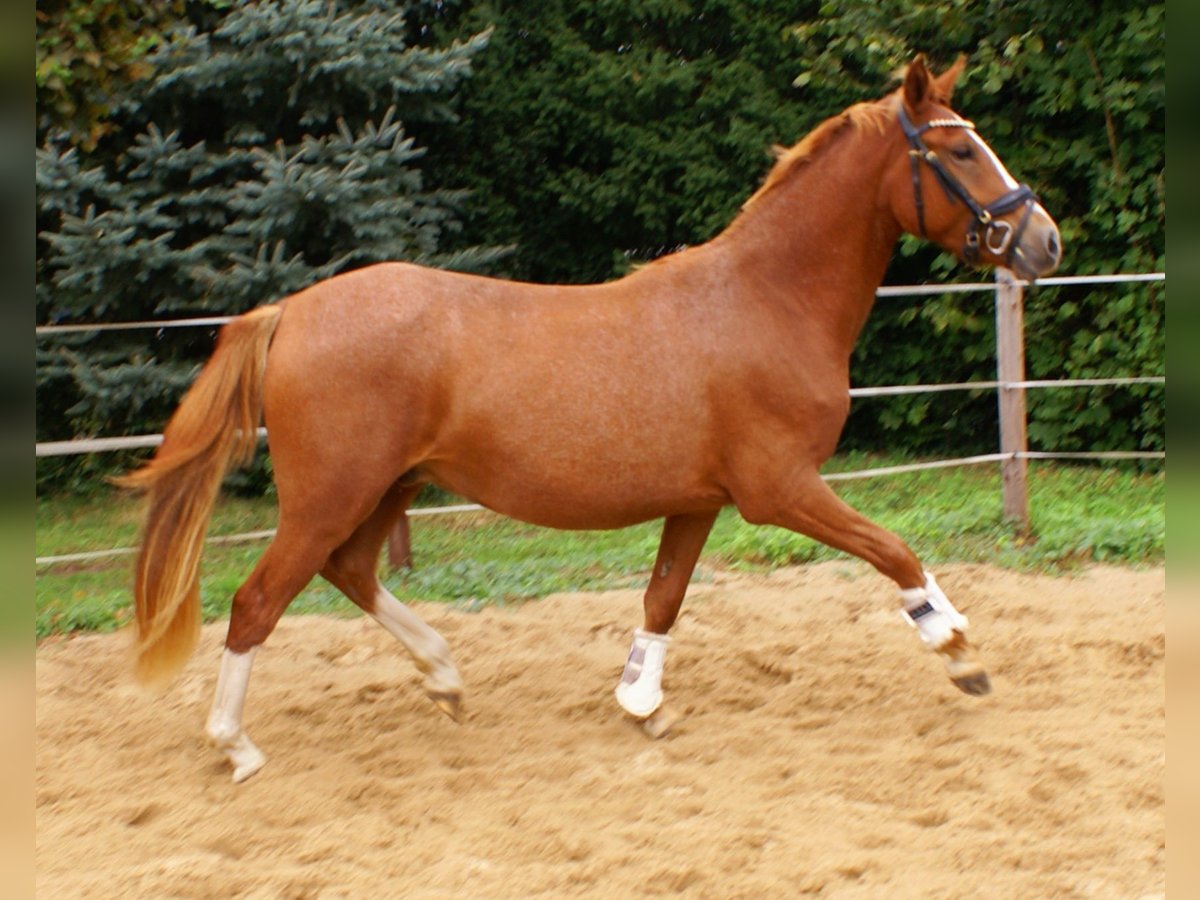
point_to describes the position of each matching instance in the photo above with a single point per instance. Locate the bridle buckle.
(998, 247)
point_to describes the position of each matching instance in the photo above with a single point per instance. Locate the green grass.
(1079, 514)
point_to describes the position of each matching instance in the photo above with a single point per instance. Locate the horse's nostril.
(1052, 245)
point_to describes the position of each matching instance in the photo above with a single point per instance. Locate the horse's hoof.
(660, 723)
(245, 770)
(450, 704)
(963, 666)
(977, 685)
(247, 759)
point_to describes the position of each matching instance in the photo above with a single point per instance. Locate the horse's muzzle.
(1039, 251)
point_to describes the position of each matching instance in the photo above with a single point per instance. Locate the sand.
(820, 750)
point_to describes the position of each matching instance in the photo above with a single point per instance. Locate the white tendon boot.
(640, 690)
(942, 628)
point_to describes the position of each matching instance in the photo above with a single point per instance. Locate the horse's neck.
(818, 240)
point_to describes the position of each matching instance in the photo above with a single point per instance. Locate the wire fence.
(1010, 387)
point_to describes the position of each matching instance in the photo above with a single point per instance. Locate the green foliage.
(263, 154)
(89, 50)
(598, 135)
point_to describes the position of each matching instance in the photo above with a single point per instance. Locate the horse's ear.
(944, 83)
(916, 84)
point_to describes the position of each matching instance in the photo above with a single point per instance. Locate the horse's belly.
(559, 488)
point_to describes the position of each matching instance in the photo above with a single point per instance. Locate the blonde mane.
(873, 115)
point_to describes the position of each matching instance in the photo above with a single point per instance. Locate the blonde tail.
(214, 429)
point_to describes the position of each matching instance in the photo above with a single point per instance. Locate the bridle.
(1000, 238)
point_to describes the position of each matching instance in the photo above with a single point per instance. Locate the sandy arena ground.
(821, 751)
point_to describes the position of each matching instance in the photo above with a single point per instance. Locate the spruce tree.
(267, 151)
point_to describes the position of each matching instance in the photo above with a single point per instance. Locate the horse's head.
(952, 188)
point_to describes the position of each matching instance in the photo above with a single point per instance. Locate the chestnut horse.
(714, 376)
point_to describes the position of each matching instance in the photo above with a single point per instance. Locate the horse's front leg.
(811, 508)
(640, 689)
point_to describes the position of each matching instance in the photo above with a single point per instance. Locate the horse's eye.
(963, 151)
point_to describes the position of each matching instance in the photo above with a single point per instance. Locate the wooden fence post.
(1010, 367)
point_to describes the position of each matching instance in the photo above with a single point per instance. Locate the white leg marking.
(428, 649)
(225, 720)
(640, 689)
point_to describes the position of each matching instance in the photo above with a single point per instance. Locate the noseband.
(1000, 238)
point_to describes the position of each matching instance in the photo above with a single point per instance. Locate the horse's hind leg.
(303, 546)
(640, 689)
(352, 568)
(811, 508)
(284, 569)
